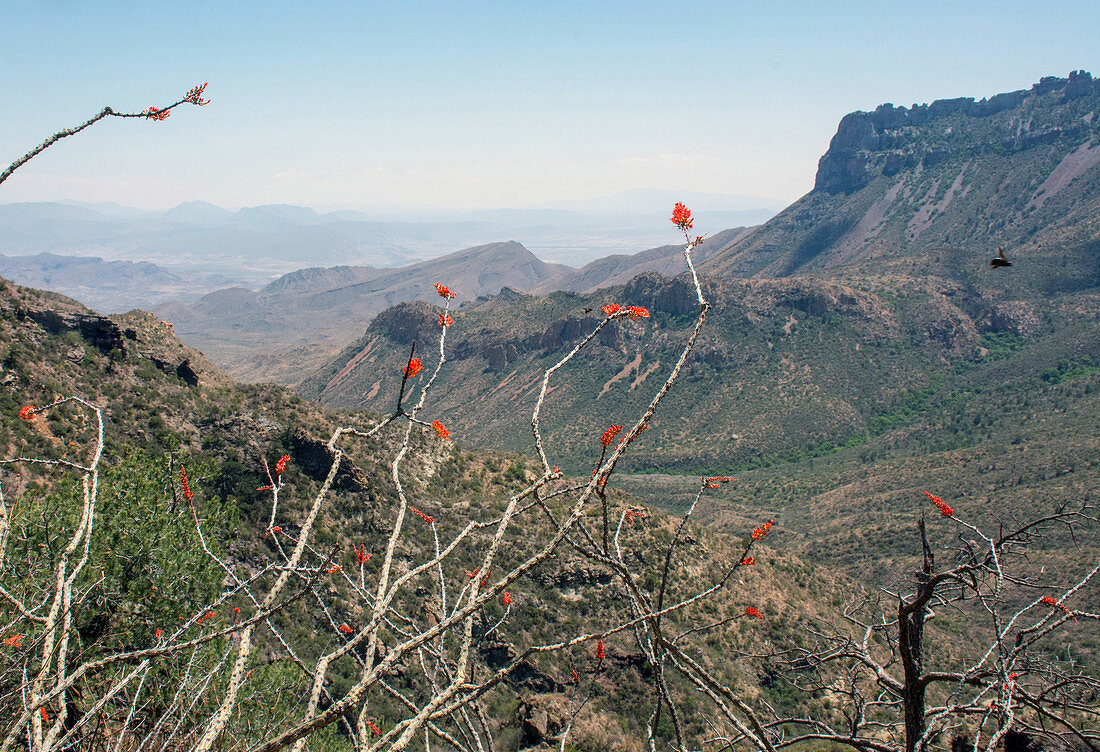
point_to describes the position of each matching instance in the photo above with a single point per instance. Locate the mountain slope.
(168, 408)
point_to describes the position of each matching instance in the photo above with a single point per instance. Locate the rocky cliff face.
(933, 190)
(883, 142)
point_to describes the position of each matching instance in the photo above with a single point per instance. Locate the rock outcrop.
(868, 144)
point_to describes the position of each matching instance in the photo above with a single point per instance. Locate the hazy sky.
(488, 104)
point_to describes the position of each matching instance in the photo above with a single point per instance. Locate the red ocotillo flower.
(761, 531)
(345, 629)
(716, 481)
(440, 431)
(414, 367)
(609, 435)
(637, 312)
(159, 634)
(611, 309)
(444, 291)
(945, 510)
(155, 113)
(445, 320)
(1049, 601)
(27, 412)
(185, 485)
(426, 517)
(374, 729)
(748, 561)
(681, 216)
(752, 611)
(361, 555)
(507, 599)
(600, 652)
(15, 641)
(280, 465)
(194, 95)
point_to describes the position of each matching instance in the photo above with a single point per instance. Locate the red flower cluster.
(414, 367)
(611, 309)
(274, 531)
(748, 561)
(206, 617)
(154, 113)
(27, 412)
(752, 611)
(945, 510)
(426, 517)
(715, 481)
(444, 291)
(15, 641)
(600, 652)
(1049, 601)
(194, 95)
(681, 216)
(336, 569)
(507, 599)
(160, 633)
(637, 312)
(445, 320)
(185, 485)
(609, 435)
(345, 629)
(761, 531)
(576, 677)
(634, 514)
(280, 466)
(265, 488)
(361, 555)
(374, 729)
(440, 431)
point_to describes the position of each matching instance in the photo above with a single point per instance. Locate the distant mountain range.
(109, 285)
(304, 318)
(254, 244)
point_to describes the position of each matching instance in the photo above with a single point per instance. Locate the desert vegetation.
(184, 566)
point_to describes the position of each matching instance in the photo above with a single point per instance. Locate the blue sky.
(488, 104)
